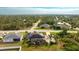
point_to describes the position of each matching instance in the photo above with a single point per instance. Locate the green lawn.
(38, 28)
(39, 48)
(10, 44)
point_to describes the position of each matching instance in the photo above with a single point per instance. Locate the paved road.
(36, 30)
(57, 18)
(36, 24)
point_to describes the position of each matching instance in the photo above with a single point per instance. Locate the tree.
(63, 33)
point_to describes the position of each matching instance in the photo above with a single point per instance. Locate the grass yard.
(10, 44)
(39, 48)
(38, 28)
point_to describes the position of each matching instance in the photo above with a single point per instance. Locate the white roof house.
(76, 28)
(64, 24)
(60, 23)
(67, 24)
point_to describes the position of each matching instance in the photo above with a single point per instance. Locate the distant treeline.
(17, 22)
(25, 22)
(52, 20)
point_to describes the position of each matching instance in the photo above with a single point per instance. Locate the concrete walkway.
(12, 47)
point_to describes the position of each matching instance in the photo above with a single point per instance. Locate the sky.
(38, 10)
(39, 3)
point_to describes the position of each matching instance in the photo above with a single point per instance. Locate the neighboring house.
(45, 26)
(63, 25)
(11, 37)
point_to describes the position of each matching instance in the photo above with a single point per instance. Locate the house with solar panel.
(36, 38)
